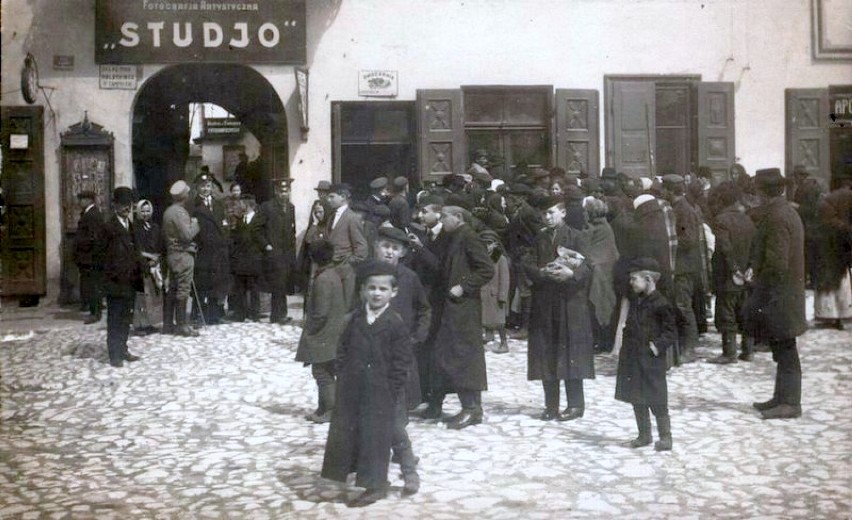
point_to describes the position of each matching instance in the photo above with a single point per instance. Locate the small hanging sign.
(378, 83)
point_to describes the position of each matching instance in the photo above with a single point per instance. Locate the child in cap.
(648, 332)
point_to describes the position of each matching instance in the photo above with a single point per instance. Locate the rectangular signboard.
(122, 77)
(193, 31)
(222, 126)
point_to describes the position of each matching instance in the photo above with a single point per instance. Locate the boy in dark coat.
(648, 332)
(373, 361)
(246, 255)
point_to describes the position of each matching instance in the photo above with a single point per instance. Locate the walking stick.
(198, 301)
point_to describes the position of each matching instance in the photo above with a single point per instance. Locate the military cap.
(340, 187)
(378, 183)
(179, 188)
(400, 182)
(86, 194)
(323, 186)
(373, 267)
(122, 195)
(204, 176)
(394, 234)
(768, 177)
(671, 179)
(282, 183)
(644, 263)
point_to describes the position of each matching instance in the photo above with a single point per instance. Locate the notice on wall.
(19, 141)
(192, 31)
(378, 83)
(122, 77)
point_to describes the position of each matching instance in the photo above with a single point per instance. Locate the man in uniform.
(179, 230)
(88, 253)
(277, 224)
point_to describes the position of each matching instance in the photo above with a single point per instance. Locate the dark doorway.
(161, 129)
(374, 139)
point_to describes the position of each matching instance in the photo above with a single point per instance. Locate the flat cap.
(86, 194)
(400, 182)
(373, 267)
(378, 183)
(179, 188)
(671, 179)
(644, 263)
(122, 195)
(545, 203)
(323, 186)
(520, 189)
(768, 177)
(394, 234)
(609, 173)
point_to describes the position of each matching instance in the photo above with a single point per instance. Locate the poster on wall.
(189, 31)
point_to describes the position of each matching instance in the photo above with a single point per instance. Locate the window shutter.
(577, 131)
(441, 133)
(631, 127)
(716, 142)
(807, 141)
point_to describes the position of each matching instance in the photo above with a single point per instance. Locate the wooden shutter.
(807, 132)
(631, 124)
(23, 242)
(577, 134)
(336, 143)
(716, 143)
(441, 133)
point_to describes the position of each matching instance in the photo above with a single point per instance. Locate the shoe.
(722, 360)
(641, 440)
(765, 405)
(130, 358)
(455, 418)
(117, 363)
(782, 411)
(664, 427)
(746, 356)
(468, 418)
(186, 332)
(503, 348)
(321, 419)
(411, 483)
(94, 318)
(431, 412)
(569, 414)
(370, 496)
(548, 415)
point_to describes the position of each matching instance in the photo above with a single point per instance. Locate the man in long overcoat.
(775, 309)
(458, 354)
(277, 219)
(561, 345)
(122, 276)
(212, 272)
(88, 254)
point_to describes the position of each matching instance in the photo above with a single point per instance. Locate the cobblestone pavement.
(213, 427)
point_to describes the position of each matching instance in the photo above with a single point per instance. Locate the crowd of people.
(405, 292)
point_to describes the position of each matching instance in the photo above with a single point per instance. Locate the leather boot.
(747, 347)
(643, 422)
(182, 329)
(664, 428)
(729, 350)
(776, 395)
(169, 313)
(551, 401)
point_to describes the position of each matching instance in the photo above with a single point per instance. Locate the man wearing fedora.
(88, 254)
(122, 275)
(775, 309)
(277, 222)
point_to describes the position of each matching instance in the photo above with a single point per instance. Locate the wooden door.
(577, 133)
(441, 133)
(630, 127)
(807, 117)
(716, 137)
(23, 231)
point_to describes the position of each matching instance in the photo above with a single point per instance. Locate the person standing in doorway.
(277, 222)
(346, 234)
(88, 255)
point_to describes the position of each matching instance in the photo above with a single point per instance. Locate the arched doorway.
(161, 128)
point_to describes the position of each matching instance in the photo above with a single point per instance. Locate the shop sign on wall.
(840, 100)
(222, 126)
(192, 31)
(378, 83)
(122, 77)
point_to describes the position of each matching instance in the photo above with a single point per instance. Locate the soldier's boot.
(643, 422)
(747, 347)
(729, 350)
(664, 428)
(327, 397)
(169, 313)
(182, 329)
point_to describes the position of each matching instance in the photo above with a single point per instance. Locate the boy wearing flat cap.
(648, 332)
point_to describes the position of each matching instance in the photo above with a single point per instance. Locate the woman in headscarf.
(602, 255)
(147, 236)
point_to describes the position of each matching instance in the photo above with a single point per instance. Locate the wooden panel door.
(631, 123)
(441, 133)
(23, 231)
(716, 138)
(577, 131)
(806, 116)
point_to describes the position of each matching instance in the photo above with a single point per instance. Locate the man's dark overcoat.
(641, 375)
(212, 269)
(373, 362)
(88, 248)
(278, 221)
(775, 309)
(459, 356)
(561, 345)
(734, 231)
(122, 260)
(246, 244)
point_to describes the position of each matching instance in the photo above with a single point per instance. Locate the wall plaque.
(378, 83)
(121, 77)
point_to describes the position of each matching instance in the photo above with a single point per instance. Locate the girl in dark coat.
(648, 332)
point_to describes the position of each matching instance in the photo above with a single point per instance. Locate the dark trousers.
(788, 377)
(90, 289)
(574, 395)
(278, 306)
(687, 327)
(119, 317)
(424, 367)
(246, 297)
(470, 399)
(400, 442)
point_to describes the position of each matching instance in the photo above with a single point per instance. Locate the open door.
(807, 132)
(631, 128)
(441, 131)
(577, 131)
(716, 139)
(23, 230)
